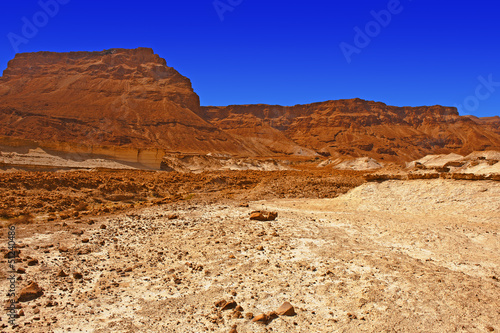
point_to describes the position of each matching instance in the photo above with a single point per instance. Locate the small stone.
(21, 270)
(352, 316)
(286, 309)
(489, 328)
(272, 315)
(239, 308)
(220, 303)
(229, 305)
(173, 216)
(260, 248)
(12, 254)
(63, 249)
(85, 240)
(20, 313)
(85, 250)
(263, 216)
(233, 329)
(30, 292)
(262, 318)
(103, 226)
(61, 273)
(237, 315)
(32, 262)
(248, 315)
(77, 275)
(77, 232)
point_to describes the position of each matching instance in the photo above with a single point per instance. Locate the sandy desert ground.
(393, 256)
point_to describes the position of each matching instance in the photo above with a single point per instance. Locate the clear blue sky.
(288, 52)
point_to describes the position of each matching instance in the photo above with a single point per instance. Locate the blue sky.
(405, 53)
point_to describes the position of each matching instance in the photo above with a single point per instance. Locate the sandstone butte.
(129, 105)
(125, 104)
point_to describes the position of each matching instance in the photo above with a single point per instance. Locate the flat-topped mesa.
(27, 63)
(377, 111)
(137, 72)
(111, 98)
(357, 128)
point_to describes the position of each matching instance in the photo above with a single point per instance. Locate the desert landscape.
(135, 209)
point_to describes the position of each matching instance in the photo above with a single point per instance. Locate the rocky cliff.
(98, 101)
(357, 127)
(130, 106)
(490, 123)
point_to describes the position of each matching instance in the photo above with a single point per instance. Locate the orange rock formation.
(129, 105)
(358, 128)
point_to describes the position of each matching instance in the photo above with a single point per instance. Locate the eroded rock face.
(130, 106)
(358, 128)
(491, 123)
(114, 98)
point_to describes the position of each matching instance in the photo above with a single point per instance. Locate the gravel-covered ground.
(395, 256)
